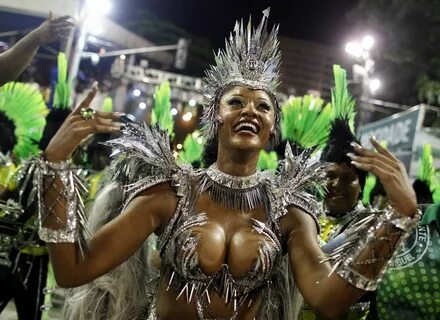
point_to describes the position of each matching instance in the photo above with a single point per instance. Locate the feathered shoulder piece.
(299, 179)
(143, 159)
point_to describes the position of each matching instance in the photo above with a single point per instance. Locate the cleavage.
(229, 238)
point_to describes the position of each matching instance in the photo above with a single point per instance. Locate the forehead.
(341, 168)
(246, 92)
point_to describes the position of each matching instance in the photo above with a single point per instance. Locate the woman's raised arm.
(61, 212)
(359, 262)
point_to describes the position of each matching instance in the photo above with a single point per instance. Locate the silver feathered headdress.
(252, 59)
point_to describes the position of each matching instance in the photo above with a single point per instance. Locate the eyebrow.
(264, 99)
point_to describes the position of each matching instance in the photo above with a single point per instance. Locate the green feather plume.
(436, 188)
(306, 121)
(161, 112)
(107, 105)
(426, 170)
(370, 183)
(25, 106)
(62, 88)
(192, 148)
(267, 160)
(342, 101)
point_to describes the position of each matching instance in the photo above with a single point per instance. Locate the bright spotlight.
(98, 7)
(94, 58)
(179, 146)
(173, 111)
(136, 92)
(367, 42)
(122, 57)
(192, 103)
(142, 105)
(374, 85)
(187, 116)
(354, 49)
(94, 26)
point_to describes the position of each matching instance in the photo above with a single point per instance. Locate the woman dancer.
(233, 241)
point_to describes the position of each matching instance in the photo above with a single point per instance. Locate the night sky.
(319, 21)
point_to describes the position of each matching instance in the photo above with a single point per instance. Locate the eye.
(235, 102)
(264, 106)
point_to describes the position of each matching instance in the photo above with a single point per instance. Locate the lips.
(247, 127)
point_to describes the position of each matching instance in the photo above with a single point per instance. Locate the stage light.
(354, 49)
(173, 111)
(136, 92)
(98, 7)
(142, 105)
(374, 85)
(367, 42)
(95, 59)
(192, 103)
(187, 116)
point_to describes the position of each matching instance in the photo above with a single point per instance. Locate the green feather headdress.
(62, 88)
(267, 160)
(426, 185)
(306, 121)
(342, 101)
(25, 107)
(161, 112)
(192, 148)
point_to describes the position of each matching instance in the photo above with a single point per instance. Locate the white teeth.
(247, 124)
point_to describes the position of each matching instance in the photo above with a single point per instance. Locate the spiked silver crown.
(252, 59)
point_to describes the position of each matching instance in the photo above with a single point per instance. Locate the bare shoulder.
(157, 203)
(298, 221)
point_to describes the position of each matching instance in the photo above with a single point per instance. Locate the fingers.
(381, 149)
(83, 131)
(63, 20)
(87, 100)
(383, 171)
(386, 158)
(103, 118)
(115, 116)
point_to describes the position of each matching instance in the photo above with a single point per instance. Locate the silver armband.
(364, 234)
(71, 190)
(400, 221)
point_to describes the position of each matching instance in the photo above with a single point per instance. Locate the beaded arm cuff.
(45, 176)
(382, 229)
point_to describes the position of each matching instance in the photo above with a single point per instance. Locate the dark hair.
(7, 128)
(339, 144)
(210, 152)
(54, 120)
(95, 148)
(423, 192)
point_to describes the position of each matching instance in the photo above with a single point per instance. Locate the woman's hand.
(391, 173)
(75, 128)
(53, 29)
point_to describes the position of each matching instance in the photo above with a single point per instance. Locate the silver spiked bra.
(252, 59)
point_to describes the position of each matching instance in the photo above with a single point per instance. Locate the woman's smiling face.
(248, 118)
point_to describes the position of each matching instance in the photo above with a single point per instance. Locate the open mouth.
(247, 127)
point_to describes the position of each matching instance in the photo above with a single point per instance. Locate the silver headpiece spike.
(251, 58)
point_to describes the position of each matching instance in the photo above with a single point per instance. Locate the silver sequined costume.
(145, 160)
